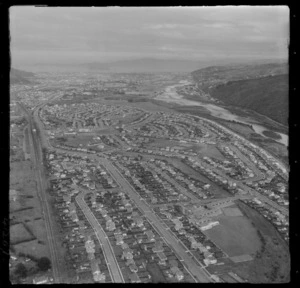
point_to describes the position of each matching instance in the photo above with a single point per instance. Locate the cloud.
(162, 26)
(120, 32)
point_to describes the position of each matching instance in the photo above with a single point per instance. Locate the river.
(170, 95)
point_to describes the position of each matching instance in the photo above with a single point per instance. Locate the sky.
(103, 34)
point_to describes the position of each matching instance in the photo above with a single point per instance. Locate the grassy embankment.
(272, 262)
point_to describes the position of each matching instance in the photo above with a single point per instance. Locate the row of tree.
(43, 264)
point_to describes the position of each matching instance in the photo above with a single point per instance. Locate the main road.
(199, 272)
(110, 258)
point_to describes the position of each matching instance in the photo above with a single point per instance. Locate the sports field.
(235, 235)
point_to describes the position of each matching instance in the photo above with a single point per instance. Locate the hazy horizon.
(56, 35)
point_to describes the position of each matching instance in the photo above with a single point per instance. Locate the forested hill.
(265, 95)
(20, 77)
(212, 76)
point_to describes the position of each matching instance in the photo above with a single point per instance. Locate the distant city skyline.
(55, 35)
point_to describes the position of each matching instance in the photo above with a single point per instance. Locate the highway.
(199, 272)
(112, 264)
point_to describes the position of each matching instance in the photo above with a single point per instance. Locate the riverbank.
(251, 115)
(170, 95)
(271, 134)
(276, 149)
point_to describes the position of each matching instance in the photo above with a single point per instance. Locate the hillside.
(20, 77)
(265, 95)
(213, 76)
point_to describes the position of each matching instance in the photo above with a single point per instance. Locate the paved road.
(201, 274)
(239, 183)
(211, 201)
(112, 263)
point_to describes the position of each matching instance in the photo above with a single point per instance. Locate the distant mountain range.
(20, 77)
(146, 65)
(142, 65)
(261, 88)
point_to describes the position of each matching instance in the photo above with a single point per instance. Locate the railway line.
(38, 164)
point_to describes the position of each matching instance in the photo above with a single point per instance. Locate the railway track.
(38, 164)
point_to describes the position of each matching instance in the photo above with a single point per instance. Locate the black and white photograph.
(149, 144)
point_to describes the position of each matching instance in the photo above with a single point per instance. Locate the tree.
(21, 270)
(44, 264)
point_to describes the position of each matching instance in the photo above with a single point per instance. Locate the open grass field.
(157, 276)
(151, 106)
(239, 128)
(232, 212)
(235, 235)
(217, 190)
(26, 209)
(162, 143)
(14, 205)
(208, 150)
(262, 224)
(37, 227)
(33, 248)
(271, 264)
(28, 214)
(78, 139)
(21, 177)
(241, 258)
(278, 150)
(18, 233)
(227, 278)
